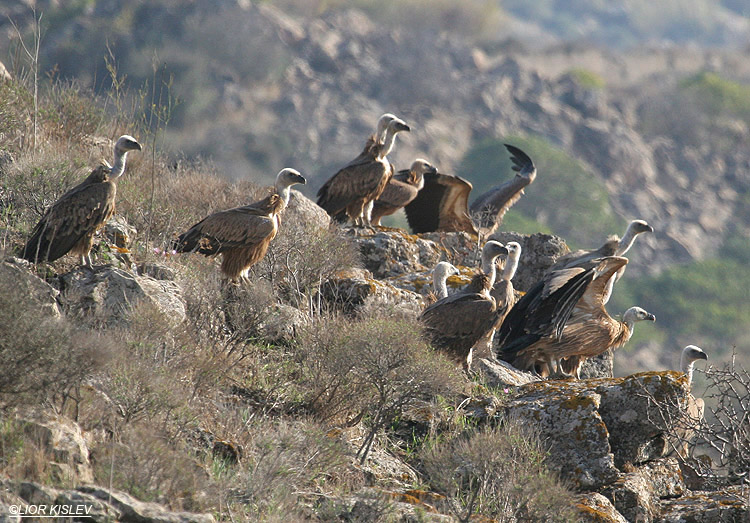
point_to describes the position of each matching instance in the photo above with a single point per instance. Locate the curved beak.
(702, 356)
(401, 126)
(651, 317)
(298, 178)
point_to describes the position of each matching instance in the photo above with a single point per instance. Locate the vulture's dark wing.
(441, 205)
(233, 228)
(78, 212)
(490, 208)
(543, 311)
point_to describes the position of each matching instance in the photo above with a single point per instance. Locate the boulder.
(598, 426)
(302, 209)
(595, 508)
(62, 439)
(568, 419)
(38, 293)
(538, 253)
(728, 505)
(394, 252)
(107, 294)
(501, 374)
(355, 290)
(281, 323)
(101, 505)
(131, 509)
(637, 495)
(119, 233)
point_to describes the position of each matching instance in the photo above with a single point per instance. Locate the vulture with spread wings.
(443, 202)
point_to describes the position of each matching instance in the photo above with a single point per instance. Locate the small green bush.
(498, 472)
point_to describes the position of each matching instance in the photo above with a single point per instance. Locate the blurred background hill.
(630, 110)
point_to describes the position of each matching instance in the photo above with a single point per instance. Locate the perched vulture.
(566, 318)
(354, 188)
(70, 224)
(401, 189)
(504, 295)
(457, 322)
(695, 407)
(614, 246)
(443, 202)
(241, 234)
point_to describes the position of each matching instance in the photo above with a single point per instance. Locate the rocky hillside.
(612, 441)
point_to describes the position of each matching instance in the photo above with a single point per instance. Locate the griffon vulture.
(567, 319)
(401, 189)
(504, 295)
(695, 407)
(354, 188)
(443, 202)
(70, 224)
(241, 234)
(457, 322)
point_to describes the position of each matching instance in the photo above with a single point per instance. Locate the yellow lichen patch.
(575, 402)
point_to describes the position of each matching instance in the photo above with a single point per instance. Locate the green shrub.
(371, 369)
(498, 472)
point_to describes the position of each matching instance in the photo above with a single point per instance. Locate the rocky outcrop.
(100, 505)
(39, 294)
(106, 294)
(392, 253)
(62, 439)
(355, 290)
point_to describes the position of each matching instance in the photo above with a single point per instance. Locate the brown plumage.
(567, 320)
(72, 221)
(401, 189)
(242, 235)
(443, 202)
(354, 188)
(455, 323)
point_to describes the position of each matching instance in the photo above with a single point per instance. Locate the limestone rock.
(637, 495)
(64, 441)
(501, 373)
(301, 209)
(601, 366)
(394, 252)
(354, 290)
(119, 233)
(631, 409)
(133, 510)
(538, 253)
(569, 421)
(108, 294)
(38, 293)
(595, 508)
(157, 271)
(729, 505)
(281, 323)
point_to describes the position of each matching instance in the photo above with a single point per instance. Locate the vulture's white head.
(490, 252)
(635, 228)
(511, 264)
(634, 314)
(690, 355)
(123, 146)
(285, 179)
(418, 169)
(383, 122)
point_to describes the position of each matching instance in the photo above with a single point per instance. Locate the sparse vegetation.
(497, 472)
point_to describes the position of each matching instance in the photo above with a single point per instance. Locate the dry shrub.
(285, 460)
(22, 458)
(144, 463)
(42, 358)
(498, 472)
(373, 368)
(302, 256)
